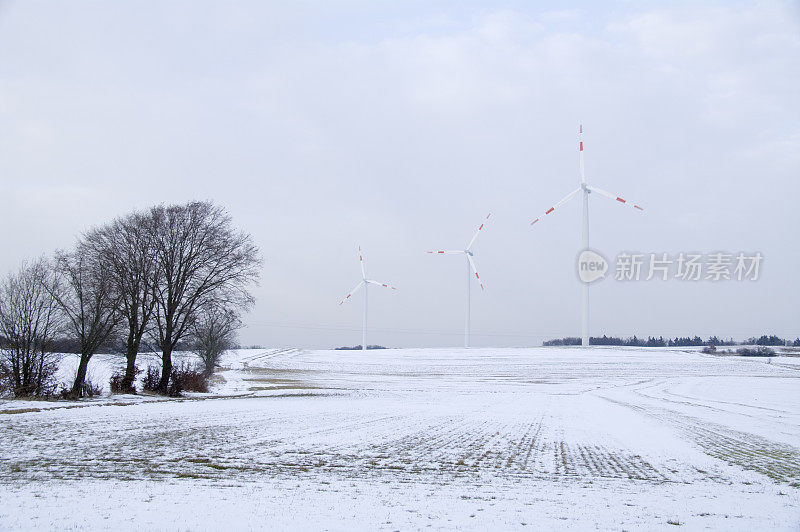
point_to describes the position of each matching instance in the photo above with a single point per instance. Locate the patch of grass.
(285, 387)
(182, 474)
(216, 378)
(21, 410)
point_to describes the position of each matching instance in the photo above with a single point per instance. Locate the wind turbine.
(586, 189)
(470, 268)
(365, 283)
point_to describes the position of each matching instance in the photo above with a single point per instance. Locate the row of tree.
(170, 275)
(678, 341)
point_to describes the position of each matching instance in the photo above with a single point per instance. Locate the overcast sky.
(398, 126)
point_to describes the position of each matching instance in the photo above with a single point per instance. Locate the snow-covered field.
(604, 438)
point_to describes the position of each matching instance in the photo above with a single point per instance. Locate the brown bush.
(151, 379)
(117, 383)
(187, 377)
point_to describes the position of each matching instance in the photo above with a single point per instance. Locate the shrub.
(90, 389)
(117, 383)
(760, 351)
(183, 377)
(709, 349)
(40, 381)
(151, 379)
(5, 389)
(562, 341)
(174, 387)
(189, 378)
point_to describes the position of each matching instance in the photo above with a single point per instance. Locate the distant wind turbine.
(586, 189)
(365, 283)
(470, 265)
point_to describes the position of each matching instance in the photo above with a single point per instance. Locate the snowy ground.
(603, 438)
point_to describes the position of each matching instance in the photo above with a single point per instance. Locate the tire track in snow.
(750, 452)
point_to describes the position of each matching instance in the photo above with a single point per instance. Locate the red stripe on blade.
(550, 210)
(620, 199)
(637, 207)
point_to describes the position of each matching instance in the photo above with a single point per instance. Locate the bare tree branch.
(127, 247)
(85, 293)
(201, 260)
(29, 324)
(214, 333)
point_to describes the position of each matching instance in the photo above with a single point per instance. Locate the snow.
(605, 438)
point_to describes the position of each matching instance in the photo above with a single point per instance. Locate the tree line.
(166, 277)
(678, 341)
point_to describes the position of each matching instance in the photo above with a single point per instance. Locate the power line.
(562, 334)
(391, 330)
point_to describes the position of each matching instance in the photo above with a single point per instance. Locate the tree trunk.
(208, 363)
(130, 372)
(80, 377)
(131, 350)
(166, 369)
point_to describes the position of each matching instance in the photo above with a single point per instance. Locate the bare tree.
(85, 294)
(214, 333)
(126, 247)
(28, 324)
(201, 260)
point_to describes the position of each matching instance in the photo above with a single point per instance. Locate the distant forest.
(687, 341)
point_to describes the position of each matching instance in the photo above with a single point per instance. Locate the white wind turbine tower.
(470, 265)
(365, 283)
(586, 189)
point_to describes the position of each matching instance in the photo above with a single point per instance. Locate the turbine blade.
(361, 260)
(614, 197)
(445, 252)
(557, 205)
(378, 283)
(475, 270)
(353, 291)
(469, 246)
